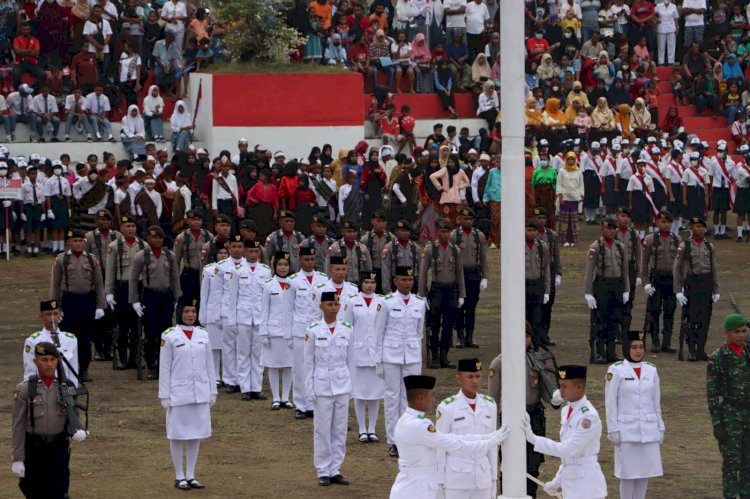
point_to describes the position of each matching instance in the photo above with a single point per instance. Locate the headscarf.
(533, 116)
(640, 117)
(133, 125)
(718, 73)
(571, 112)
(480, 68)
(443, 155)
(732, 70)
(574, 166)
(672, 122)
(622, 117)
(546, 71)
(602, 115)
(180, 119)
(495, 72)
(552, 114)
(494, 49)
(150, 102)
(335, 52)
(616, 96)
(419, 49)
(444, 74)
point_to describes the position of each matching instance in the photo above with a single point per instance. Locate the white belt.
(581, 460)
(417, 470)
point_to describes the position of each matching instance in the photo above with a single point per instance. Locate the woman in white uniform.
(366, 313)
(210, 310)
(634, 422)
(187, 390)
(277, 310)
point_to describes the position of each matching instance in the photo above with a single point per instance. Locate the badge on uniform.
(378, 309)
(307, 336)
(109, 250)
(163, 342)
(437, 415)
(592, 252)
(586, 424)
(16, 392)
(609, 376)
(431, 429)
(491, 373)
(27, 348)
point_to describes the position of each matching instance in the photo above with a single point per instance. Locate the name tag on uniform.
(274, 294)
(358, 305)
(459, 419)
(629, 379)
(321, 338)
(244, 277)
(180, 345)
(397, 310)
(303, 289)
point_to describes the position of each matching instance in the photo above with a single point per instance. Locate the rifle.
(538, 362)
(115, 343)
(683, 327)
(139, 350)
(69, 393)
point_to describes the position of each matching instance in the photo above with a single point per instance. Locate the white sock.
(217, 361)
(746, 225)
(359, 411)
(28, 249)
(175, 447)
(273, 380)
(373, 407)
(36, 249)
(286, 383)
(641, 234)
(193, 446)
(739, 232)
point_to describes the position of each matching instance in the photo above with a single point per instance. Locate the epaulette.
(313, 324)
(221, 261)
(388, 296)
(70, 335)
(418, 297)
(352, 296)
(346, 324)
(584, 409)
(489, 399)
(208, 265)
(421, 416)
(35, 335)
(269, 279)
(351, 283)
(617, 363)
(167, 331)
(449, 400)
(320, 285)
(649, 363)
(293, 276)
(322, 274)
(266, 266)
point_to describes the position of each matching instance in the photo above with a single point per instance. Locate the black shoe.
(324, 481)
(299, 414)
(54, 139)
(668, 349)
(182, 484)
(231, 389)
(287, 405)
(309, 414)
(702, 356)
(258, 396)
(373, 438)
(121, 366)
(153, 374)
(246, 396)
(99, 355)
(393, 451)
(550, 342)
(434, 362)
(339, 480)
(131, 365)
(41, 140)
(195, 484)
(84, 376)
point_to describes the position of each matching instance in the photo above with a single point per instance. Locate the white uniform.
(186, 378)
(344, 292)
(68, 347)
(245, 311)
(464, 477)
(209, 314)
(398, 346)
(277, 307)
(329, 382)
(418, 443)
(633, 407)
(579, 475)
(366, 320)
(228, 269)
(303, 283)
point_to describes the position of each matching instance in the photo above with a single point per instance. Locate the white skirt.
(214, 335)
(189, 422)
(276, 354)
(366, 385)
(634, 461)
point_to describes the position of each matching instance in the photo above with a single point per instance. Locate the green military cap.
(734, 321)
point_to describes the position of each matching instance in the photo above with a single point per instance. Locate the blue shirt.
(492, 189)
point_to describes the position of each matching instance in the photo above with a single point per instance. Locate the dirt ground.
(258, 453)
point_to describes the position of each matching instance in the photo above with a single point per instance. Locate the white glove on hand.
(499, 436)
(530, 437)
(98, 314)
(138, 309)
(7, 203)
(591, 301)
(70, 213)
(164, 403)
(460, 302)
(111, 301)
(50, 214)
(13, 216)
(483, 284)
(289, 343)
(265, 341)
(715, 297)
(626, 297)
(638, 281)
(557, 399)
(551, 489)
(379, 370)
(682, 298)
(80, 436)
(546, 299)
(614, 437)
(661, 437)
(18, 469)
(558, 281)
(650, 290)
(312, 399)
(43, 217)
(23, 217)
(212, 400)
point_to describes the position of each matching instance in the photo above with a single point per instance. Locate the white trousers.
(249, 369)
(395, 394)
(229, 352)
(469, 493)
(633, 489)
(329, 441)
(298, 367)
(666, 42)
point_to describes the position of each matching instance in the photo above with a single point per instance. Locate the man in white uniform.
(337, 269)
(66, 343)
(209, 315)
(229, 269)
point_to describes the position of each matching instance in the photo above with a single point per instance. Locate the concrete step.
(423, 127)
(428, 105)
(665, 72)
(704, 122)
(665, 87)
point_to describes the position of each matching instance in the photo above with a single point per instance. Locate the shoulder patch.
(16, 393)
(584, 409)
(388, 296)
(347, 324)
(70, 335)
(35, 335)
(163, 342)
(27, 348)
(489, 399)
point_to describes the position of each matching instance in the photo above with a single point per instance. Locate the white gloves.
(289, 343)
(23, 217)
(551, 489)
(591, 301)
(650, 290)
(682, 298)
(164, 403)
(312, 399)
(614, 437)
(98, 314)
(558, 280)
(265, 341)
(461, 302)
(70, 212)
(483, 284)
(626, 297)
(43, 217)
(638, 281)
(7, 203)
(212, 400)
(14, 216)
(557, 399)
(661, 437)
(379, 370)
(546, 299)
(426, 303)
(50, 214)
(499, 436)
(111, 301)
(80, 436)
(530, 437)
(715, 297)
(138, 309)
(18, 469)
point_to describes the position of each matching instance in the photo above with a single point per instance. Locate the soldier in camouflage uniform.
(728, 390)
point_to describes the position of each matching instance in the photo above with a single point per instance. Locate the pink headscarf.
(419, 50)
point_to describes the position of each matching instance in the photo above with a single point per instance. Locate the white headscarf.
(150, 102)
(132, 126)
(180, 119)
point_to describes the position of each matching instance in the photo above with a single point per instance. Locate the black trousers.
(534, 304)
(127, 320)
(78, 319)
(663, 302)
(697, 314)
(47, 467)
(606, 316)
(156, 318)
(443, 299)
(466, 315)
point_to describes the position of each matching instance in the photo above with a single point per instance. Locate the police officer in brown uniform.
(550, 237)
(606, 290)
(447, 291)
(319, 241)
(157, 267)
(402, 252)
(77, 283)
(96, 244)
(376, 239)
(223, 229)
(121, 254)
(629, 238)
(696, 286)
(657, 267)
(472, 246)
(187, 246)
(356, 253)
(537, 279)
(285, 239)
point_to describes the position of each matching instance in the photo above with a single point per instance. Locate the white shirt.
(90, 28)
(3, 105)
(97, 104)
(186, 367)
(133, 189)
(487, 102)
(37, 104)
(476, 16)
(28, 192)
(156, 198)
(622, 12)
(52, 186)
(454, 20)
(14, 101)
(344, 192)
(245, 289)
(673, 172)
(401, 339)
(125, 71)
(70, 103)
(475, 178)
(68, 347)
(326, 357)
(221, 193)
(304, 305)
(694, 19)
(366, 321)
(211, 294)
(742, 174)
(716, 172)
(174, 9)
(667, 15)
(635, 183)
(633, 403)
(690, 179)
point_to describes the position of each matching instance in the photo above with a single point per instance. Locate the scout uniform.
(467, 477)
(537, 282)
(328, 384)
(630, 240)
(696, 277)
(659, 250)
(77, 283)
(278, 241)
(320, 245)
(121, 254)
(728, 391)
(634, 423)
(472, 246)
(66, 344)
(720, 172)
(398, 347)
(694, 181)
(399, 254)
(57, 192)
(303, 285)
(552, 239)
(161, 288)
(229, 270)
(579, 475)
(356, 253)
(33, 208)
(375, 244)
(607, 283)
(188, 245)
(209, 313)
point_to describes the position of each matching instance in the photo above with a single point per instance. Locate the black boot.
(666, 340)
(612, 352)
(434, 361)
(470, 340)
(600, 356)
(460, 339)
(444, 362)
(655, 343)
